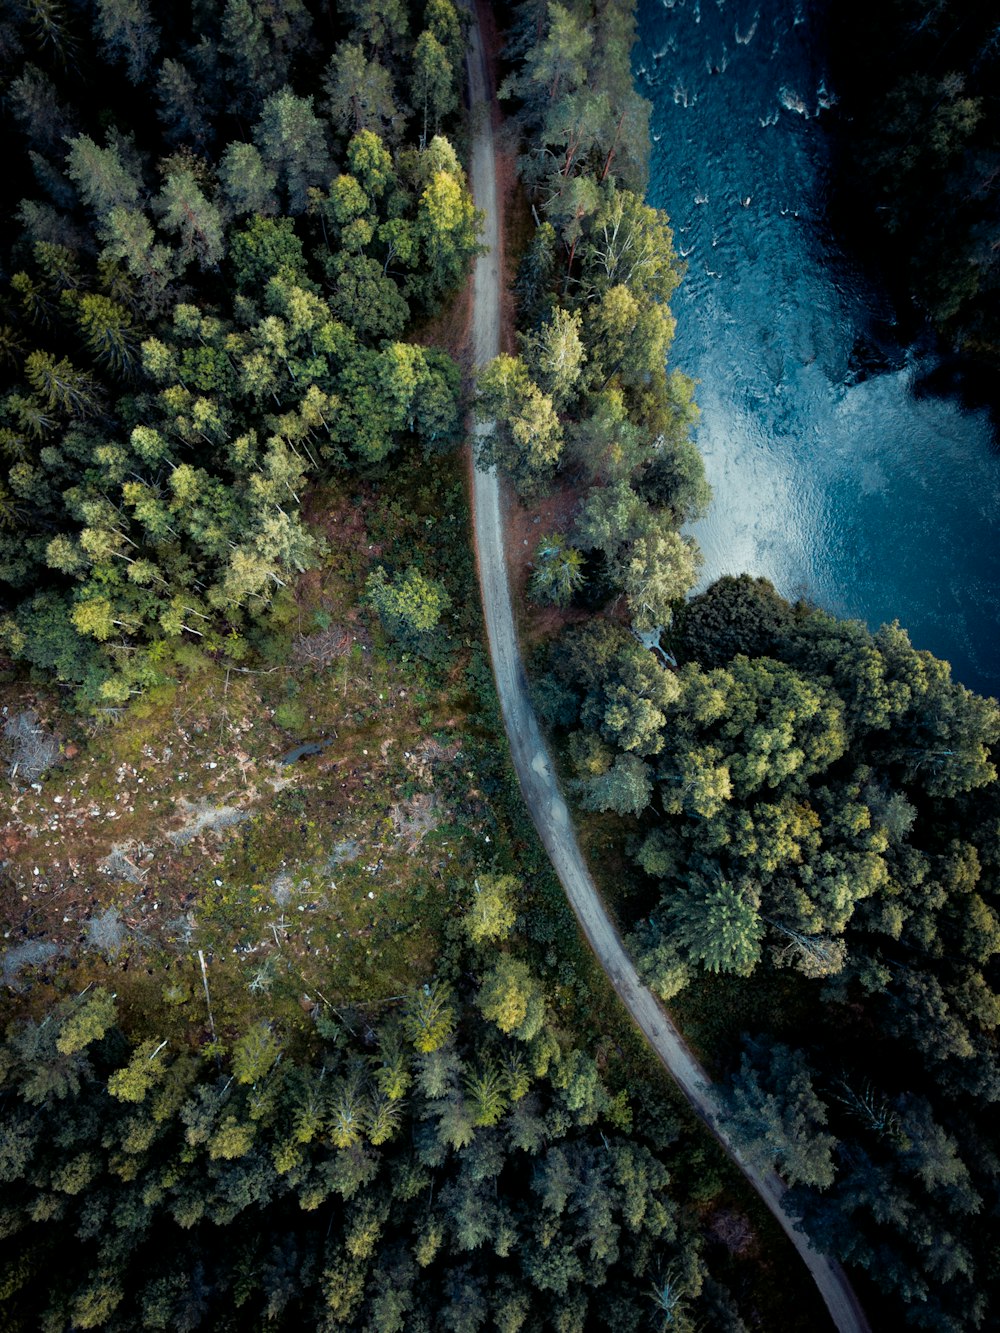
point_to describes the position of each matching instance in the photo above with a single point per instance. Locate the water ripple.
(830, 476)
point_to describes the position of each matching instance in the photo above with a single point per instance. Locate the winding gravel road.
(531, 758)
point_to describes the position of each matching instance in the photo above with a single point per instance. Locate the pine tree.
(382, 24)
(558, 573)
(776, 1116)
(257, 68)
(87, 1022)
(255, 1053)
(716, 924)
(44, 118)
(429, 1018)
(109, 332)
(360, 95)
(184, 211)
(104, 180)
(292, 144)
(128, 32)
(186, 116)
(60, 385)
(248, 185)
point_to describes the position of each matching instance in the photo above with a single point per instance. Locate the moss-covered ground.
(184, 823)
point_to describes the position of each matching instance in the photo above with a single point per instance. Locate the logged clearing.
(304, 825)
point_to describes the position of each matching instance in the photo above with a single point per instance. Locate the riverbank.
(835, 472)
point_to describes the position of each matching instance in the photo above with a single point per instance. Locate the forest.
(920, 159)
(231, 226)
(208, 283)
(217, 281)
(455, 1166)
(805, 812)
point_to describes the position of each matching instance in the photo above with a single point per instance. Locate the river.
(831, 476)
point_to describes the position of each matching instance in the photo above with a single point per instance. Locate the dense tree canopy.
(817, 798)
(212, 275)
(451, 1162)
(590, 398)
(922, 127)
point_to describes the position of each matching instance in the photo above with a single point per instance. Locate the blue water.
(848, 490)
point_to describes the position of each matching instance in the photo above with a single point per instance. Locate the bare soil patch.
(524, 526)
(451, 327)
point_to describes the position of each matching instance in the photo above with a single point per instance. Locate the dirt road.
(531, 758)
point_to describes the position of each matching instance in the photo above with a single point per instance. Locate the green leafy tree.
(778, 729)
(558, 572)
(626, 787)
(147, 1067)
(491, 912)
(512, 997)
(697, 783)
(658, 961)
(362, 295)
(630, 245)
(605, 442)
(627, 704)
(627, 339)
(555, 356)
(675, 478)
(611, 518)
(409, 604)
(434, 81)
(266, 248)
(447, 224)
(525, 437)
(737, 614)
(659, 569)
(447, 23)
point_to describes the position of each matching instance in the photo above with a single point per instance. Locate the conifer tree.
(248, 185)
(292, 144)
(184, 210)
(128, 32)
(185, 114)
